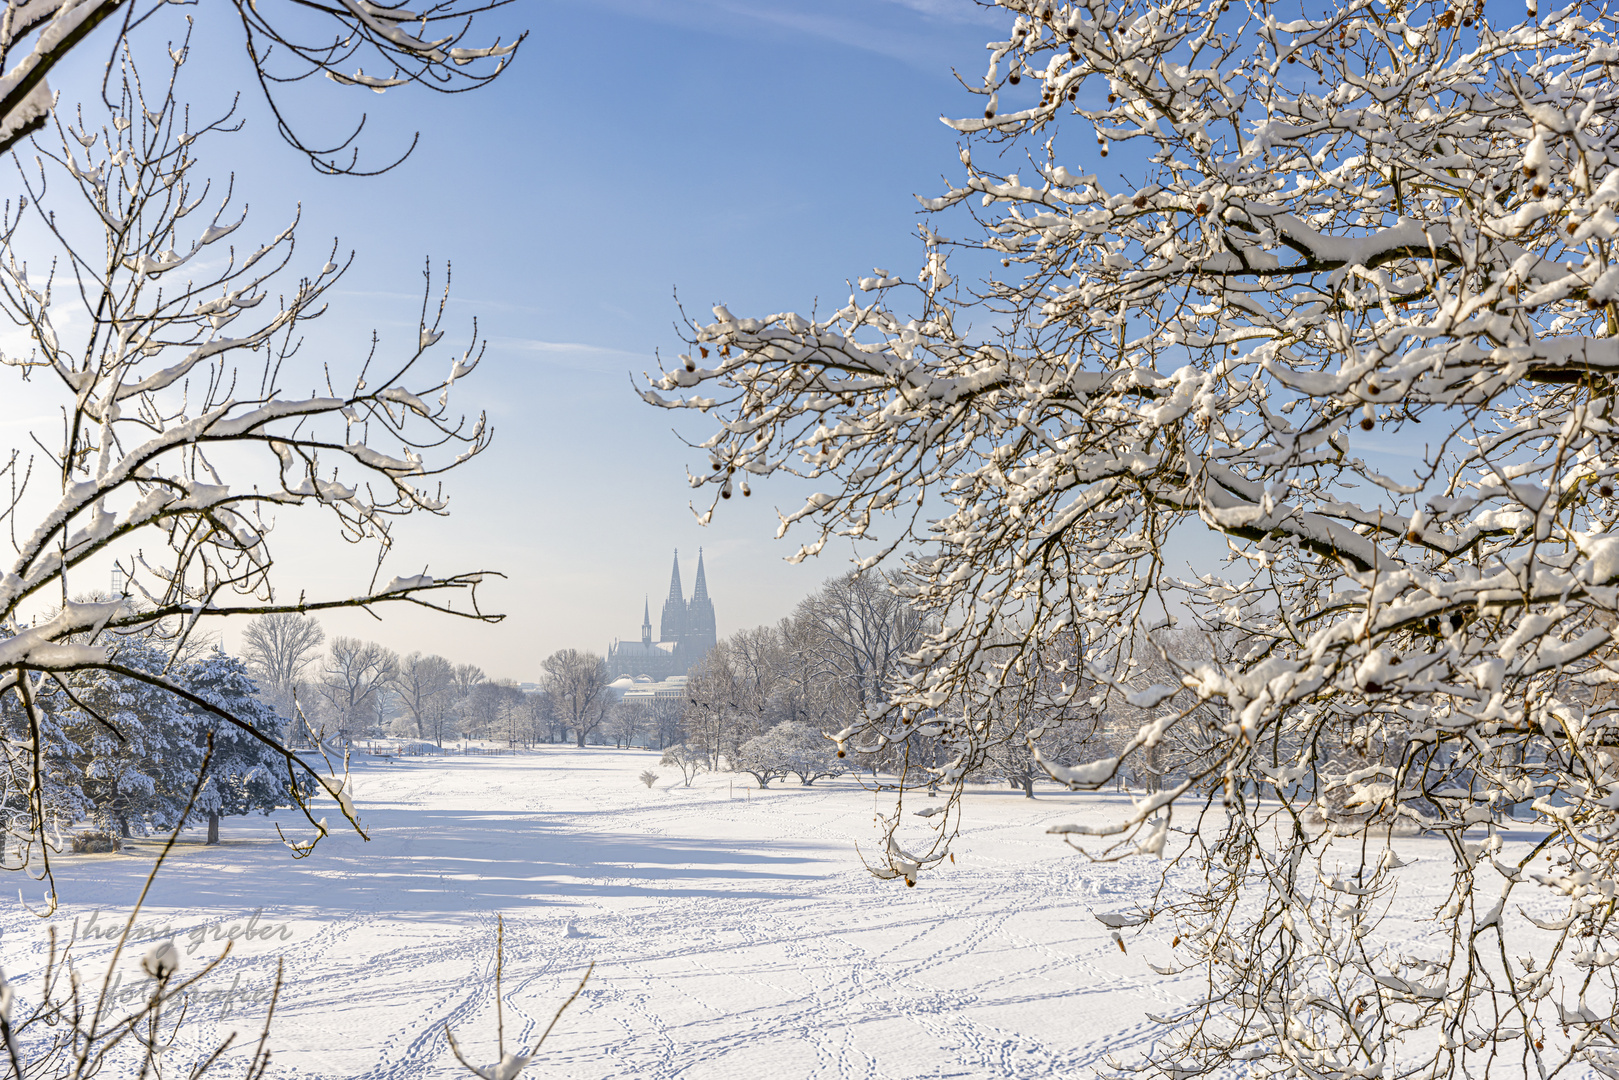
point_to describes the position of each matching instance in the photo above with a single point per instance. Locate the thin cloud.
(905, 30)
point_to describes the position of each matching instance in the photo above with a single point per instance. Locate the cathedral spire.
(700, 635)
(646, 622)
(672, 627)
(700, 588)
(674, 578)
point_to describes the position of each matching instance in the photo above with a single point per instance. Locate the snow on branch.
(1342, 297)
(180, 444)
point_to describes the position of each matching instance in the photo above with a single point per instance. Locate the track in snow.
(735, 934)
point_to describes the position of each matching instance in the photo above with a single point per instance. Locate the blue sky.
(758, 154)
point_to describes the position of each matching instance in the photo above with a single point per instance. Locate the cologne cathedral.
(685, 633)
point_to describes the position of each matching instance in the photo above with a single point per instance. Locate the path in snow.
(735, 932)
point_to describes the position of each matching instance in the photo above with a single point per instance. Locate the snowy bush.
(791, 747)
(760, 758)
(1345, 301)
(648, 777)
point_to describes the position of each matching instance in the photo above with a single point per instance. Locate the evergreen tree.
(244, 774)
(125, 748)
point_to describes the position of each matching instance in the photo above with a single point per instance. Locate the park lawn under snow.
(735, 932)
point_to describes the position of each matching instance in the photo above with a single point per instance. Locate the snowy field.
(735, 932)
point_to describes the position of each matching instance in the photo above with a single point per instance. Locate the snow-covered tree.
(797, 749)
(124, 753)
(760, 757)
(689, 759)
(119, 751)
(1342, 299)
(626, 720)
(179, 441)
(244, 774)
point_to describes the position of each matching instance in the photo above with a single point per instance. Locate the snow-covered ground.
(735, 932)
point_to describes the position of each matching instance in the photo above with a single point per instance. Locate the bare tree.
(625, 722)
(423, 682)
(352, 681)
(858, 628)
(279, 647)
(664, 720)
(690, 760)
(577, 683)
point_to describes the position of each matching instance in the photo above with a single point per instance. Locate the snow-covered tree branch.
(1350, 307)
(285, 43)
(190, 417)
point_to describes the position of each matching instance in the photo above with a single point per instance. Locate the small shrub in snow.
(96, 842)
(648, 777)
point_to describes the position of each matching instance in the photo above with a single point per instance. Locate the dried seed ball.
(1367, 423)
(1373, 389)
(1140, 201)
(1014, 78)
(1202, 208)
(840, 753)
(1606, 491)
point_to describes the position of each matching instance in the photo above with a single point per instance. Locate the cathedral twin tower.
(686, 633)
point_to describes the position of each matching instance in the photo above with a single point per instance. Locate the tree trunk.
(581, 734)
(123, 826)
(1028, 786)
(213, 826)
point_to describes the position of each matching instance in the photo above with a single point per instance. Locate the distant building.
(643, 690)
(686, 632)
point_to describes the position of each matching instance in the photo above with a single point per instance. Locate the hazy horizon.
(573, 196)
